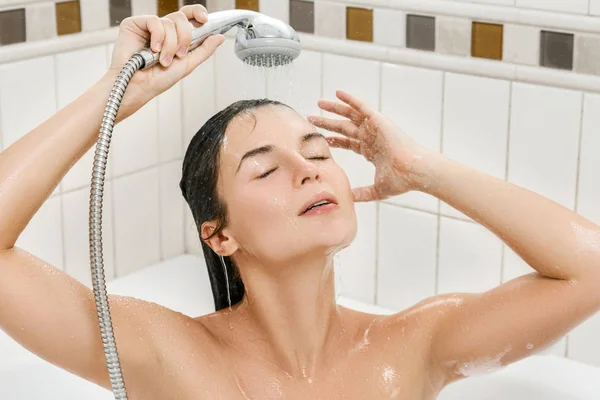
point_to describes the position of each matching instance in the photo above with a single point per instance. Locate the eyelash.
(269, 172)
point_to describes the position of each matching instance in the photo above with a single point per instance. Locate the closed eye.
(269, 172)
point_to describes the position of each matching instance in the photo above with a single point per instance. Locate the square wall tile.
(136, 221)
(301, 87)
(357, 261)
(544, 140)
(68, 18)
(583, 342)
(75, 218)
(475, 131)
(188, 2)
(487, 40)
(95, 15)
(587, 54)
(589, 162)
(144, 7)
(411, 97)
(330, 20)
(247, 4)
(170, 135)
(302, 16)
(359, 24)
(556, 50)
(198, 99)
(521, 44)
(453, 36)
(12, 26)
(389, 27)
(420, 32)
(595, 7)
(42, 237)
(251, 82)
(276, 9)
(567, 6)
(165, 7)
(469, 257)
(171, 210)
(119, 10)
(220, 5)
(41, 21)
(407, 256)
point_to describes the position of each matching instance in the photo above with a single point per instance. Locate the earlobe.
(220, 243)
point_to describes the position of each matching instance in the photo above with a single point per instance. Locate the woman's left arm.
(529, 313)
(517, 318)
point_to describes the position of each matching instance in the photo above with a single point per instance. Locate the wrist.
(107, 83)
(426, 163)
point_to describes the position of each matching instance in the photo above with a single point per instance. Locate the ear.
(221, 243)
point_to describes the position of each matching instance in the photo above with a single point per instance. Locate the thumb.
(207, 49)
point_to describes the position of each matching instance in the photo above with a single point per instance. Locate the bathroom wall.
(514, 102)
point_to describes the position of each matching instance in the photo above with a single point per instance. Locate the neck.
(293, 309)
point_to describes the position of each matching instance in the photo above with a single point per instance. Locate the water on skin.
(480, 366)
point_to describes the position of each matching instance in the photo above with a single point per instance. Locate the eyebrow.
(269, 148)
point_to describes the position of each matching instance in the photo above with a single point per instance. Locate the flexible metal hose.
(96, 193)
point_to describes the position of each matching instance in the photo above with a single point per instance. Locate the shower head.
(261, 40)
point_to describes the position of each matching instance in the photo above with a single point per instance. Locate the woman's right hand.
(171, 35)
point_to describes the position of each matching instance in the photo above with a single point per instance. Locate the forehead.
(279, 126)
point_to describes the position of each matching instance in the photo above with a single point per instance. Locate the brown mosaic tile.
(556, 50)
(247, 4)
(68, 18)
(302, 16)
(119, 10)
(359, 24)
(12, 26)
(165, 7)
(486, 40)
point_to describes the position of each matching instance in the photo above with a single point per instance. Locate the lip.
(324, 195)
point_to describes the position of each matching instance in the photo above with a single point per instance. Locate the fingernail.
(167, 60)
(158, 46)
(181, 51)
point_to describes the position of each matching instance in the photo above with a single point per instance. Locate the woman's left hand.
(396, 156)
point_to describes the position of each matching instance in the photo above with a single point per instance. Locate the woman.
(249, 175)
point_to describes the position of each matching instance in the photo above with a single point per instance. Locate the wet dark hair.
(199, 188)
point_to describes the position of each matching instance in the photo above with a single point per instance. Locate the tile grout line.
(436, 283)
(576, 205)
(506, 160)
(60, 201)
(378, 204)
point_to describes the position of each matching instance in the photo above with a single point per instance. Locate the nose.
(304, 170)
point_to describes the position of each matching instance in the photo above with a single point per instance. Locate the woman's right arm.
(45, 310)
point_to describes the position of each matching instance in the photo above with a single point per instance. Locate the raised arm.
(42, 308)
(529, 313)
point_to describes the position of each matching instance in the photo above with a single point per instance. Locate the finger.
(170, 44)
(366, 193)
(151, 24)
(184, 32)
(341, 109)
(202, 53)
(344, 143)
(195, 12)
(342, 126)
(355, 103)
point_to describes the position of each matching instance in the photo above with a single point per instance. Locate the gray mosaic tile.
(119, 10)
(556, 50)
(12, 26)
(188, 2)
(302, 16)
(420, 32)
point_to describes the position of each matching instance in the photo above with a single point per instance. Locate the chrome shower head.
(261, 40)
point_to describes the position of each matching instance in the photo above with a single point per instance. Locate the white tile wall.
(249, 82)
(513, 265)
(475, 129)
(412, 98)
(453, 36)
(587, 54)
(469, 257)
(407, 252)
(95, 15)
(330, 20)
(595, 7)
(198, 94)
(27, 97)
(170, 121)
(389, 27)
(588, 197)
(136, 220)
(358, 261)
(568, 6)
(583, 342)
(42, 237)
(544, 141)
(276, 9)
(171, 210)
(76, 225)
(521, 44)
(299, 85)
(76, 72)
(41, 21)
